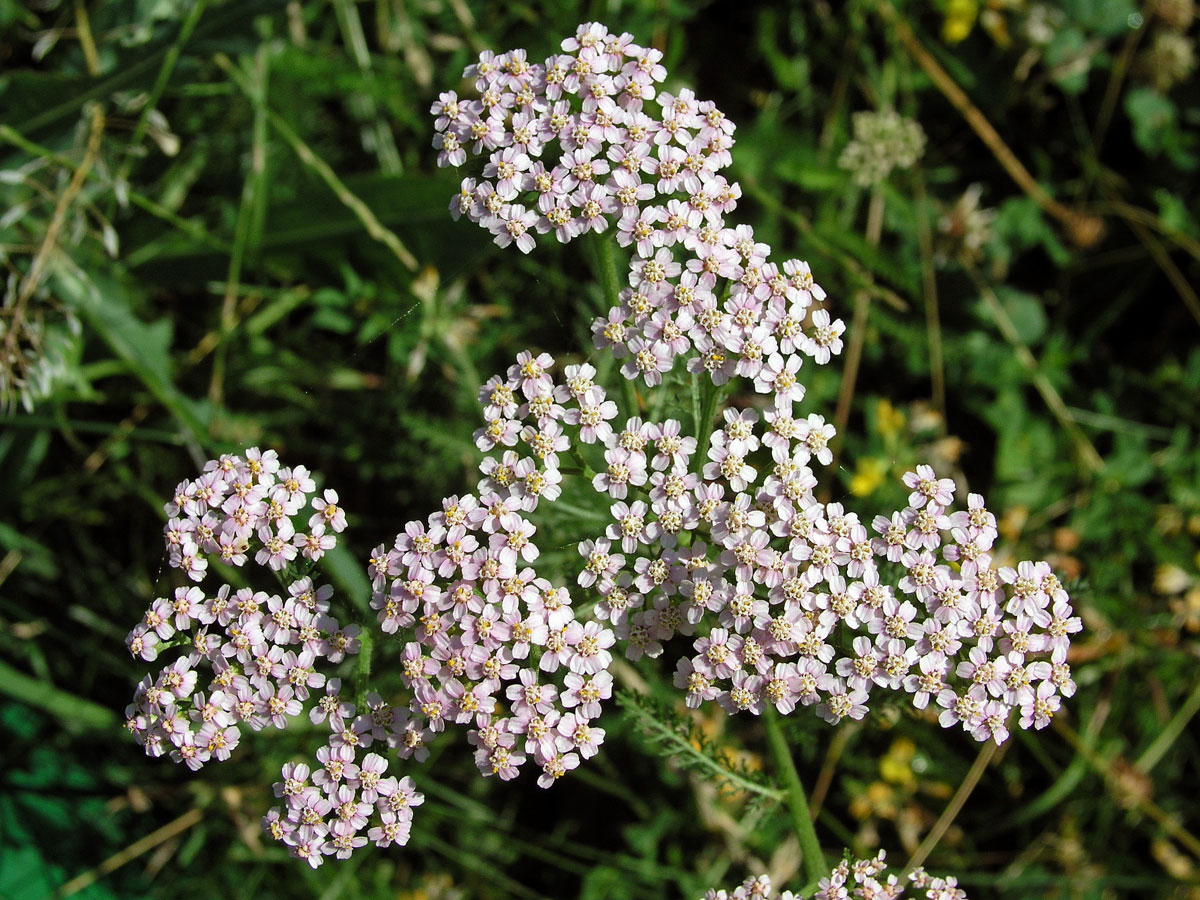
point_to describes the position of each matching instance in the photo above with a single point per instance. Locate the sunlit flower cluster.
(260, 652)
(586, 139)
(792, 602)
(345, 799)
(861, 878)
(240, 501)
(583, 139)
(491, 645)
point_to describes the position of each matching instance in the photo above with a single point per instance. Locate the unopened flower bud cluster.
(883, 140)
(861, 878)
(494, 646)
(262, 650)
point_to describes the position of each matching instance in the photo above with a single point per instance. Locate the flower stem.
(606, 269)
(362, 673)
(814, 862)
(711, 397)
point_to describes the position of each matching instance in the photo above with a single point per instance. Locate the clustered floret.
(790, 601)
(496, 647)
(586, 139)
(263, 650)
(344, 798)
(236, 501)
(867, 879)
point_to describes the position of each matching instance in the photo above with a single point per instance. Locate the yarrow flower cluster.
(239, 500)
(793, 602)
(345, 799)
(650, 161)
(585, 138)
(263, 650)
(496, 647)
(867, 879)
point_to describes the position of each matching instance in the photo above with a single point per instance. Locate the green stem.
(712, 396)
(362, 674)
(160, 84)
(587, 470)
(606, 270)
(815, 867)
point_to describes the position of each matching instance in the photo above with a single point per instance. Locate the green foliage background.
(205, 287)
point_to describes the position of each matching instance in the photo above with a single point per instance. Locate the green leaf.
(1026, 313)
(98, 300)
(75, 713)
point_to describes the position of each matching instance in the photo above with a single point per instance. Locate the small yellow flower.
(960, 19)
(889, 420)
(869, 476)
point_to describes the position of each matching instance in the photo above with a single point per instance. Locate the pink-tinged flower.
(825, 339)
(840, 702)
(592, 419)
(801, 278)
(697, 680)
(778, 377)
(927, 487)
(600, 565)
(513, 225)
(730, 466)
(328, 512)
(588, 645)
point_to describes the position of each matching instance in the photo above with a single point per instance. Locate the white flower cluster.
(263, 649)
(585, 139)
(236, 501)
(791, 602)
(347, 799)
(495, 646)
(866, 879)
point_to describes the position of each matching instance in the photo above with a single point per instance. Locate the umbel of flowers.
(496, 647)
(788, 601)
(262, 654)
(585, 141)
(864, 878)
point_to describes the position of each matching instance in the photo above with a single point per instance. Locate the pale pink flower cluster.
(789, 601)
(344, 798)
(650, 161)
(582, 139)
(725, 309)
(864, 879)
(263, 650)
(493, 646)
(238, 501)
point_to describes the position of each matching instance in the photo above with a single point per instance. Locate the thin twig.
(87, 42)
(1145, 806)
(170, 58)
(858, 328)
(133, 851)
(1170, 733)
(1178, 280)
(933, 320)
(1084, 229)
(837, 745)
(50, 241)
(1049, 393)
(954, 807)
